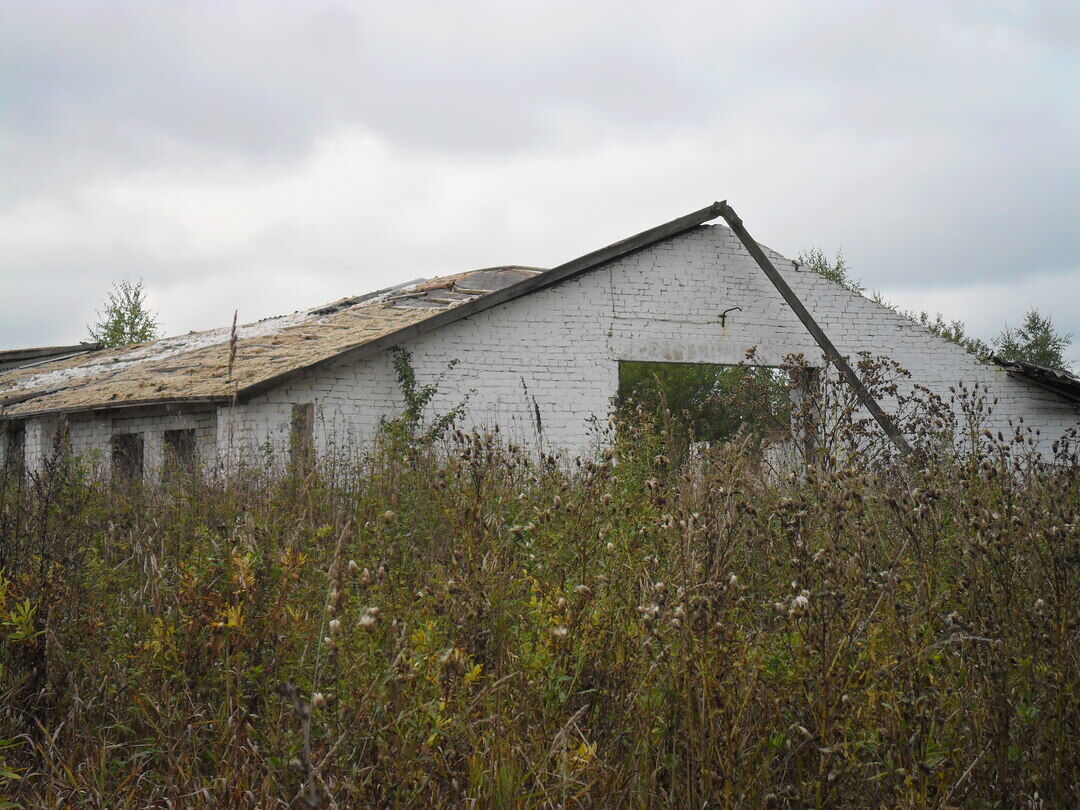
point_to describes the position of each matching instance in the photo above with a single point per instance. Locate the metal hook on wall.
(723, 315)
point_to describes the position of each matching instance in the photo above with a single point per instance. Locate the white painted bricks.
(90, 436)
(560, 347)
(557, 351)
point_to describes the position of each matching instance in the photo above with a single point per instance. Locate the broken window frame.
(796, 423)
(15, 450)
(128, 457)
(179, 450)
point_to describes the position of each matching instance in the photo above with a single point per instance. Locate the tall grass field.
(450, 620)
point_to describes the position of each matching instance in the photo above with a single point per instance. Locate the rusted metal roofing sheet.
(1062, 383)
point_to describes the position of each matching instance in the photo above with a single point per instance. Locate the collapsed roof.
(13, 358)
(1060, 382)
(220, 365)
(196, 366)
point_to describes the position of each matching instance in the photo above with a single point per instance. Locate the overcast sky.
(269, 156)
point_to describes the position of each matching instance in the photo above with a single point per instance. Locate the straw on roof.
(195, 367)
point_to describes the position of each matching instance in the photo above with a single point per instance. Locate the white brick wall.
(91, 435)
(564, 343)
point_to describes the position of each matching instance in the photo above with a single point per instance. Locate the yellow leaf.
(234, 615)
(473, 674)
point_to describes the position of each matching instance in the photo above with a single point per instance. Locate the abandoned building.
(536, 352)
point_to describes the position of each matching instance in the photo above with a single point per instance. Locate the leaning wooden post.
(867, 401)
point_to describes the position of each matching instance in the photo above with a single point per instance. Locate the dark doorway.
(15, 450)
(179, 448)
(127, 457)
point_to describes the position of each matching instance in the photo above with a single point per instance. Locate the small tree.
(1036, 340)
(836, 270)
(125, 318)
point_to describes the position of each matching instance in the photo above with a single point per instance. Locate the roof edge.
(589, 261)
(108, 406)
(1062, 383)
(39, 355)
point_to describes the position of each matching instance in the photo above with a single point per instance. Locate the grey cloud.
(483, 77)
(193, 144)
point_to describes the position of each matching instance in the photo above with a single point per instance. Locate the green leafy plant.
(20, 622)
(836, 270)
(125, 317)
(1036, 340)
(413, 423)
(954, 331)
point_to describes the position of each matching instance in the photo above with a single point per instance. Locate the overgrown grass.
(462, 624)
